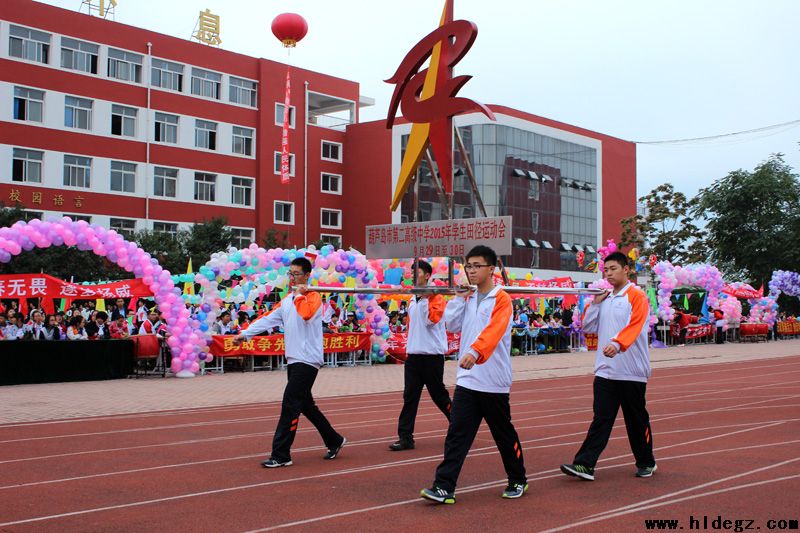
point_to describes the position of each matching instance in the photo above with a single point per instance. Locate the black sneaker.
(647, 471)
(275, 463)
(515, 490)
(402, 444)
(333, 452)
(438, 495)
(581, 471)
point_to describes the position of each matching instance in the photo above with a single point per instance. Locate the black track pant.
(422, 370)
(609, 396)
(297, 399)
(469, 408)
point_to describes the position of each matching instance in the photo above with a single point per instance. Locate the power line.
(783, 125)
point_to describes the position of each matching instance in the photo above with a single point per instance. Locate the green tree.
(202, 240)
(753, 221)
(275, 239)
(667, 228)
(166, 248)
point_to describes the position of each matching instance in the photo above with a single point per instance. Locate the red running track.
(727, 442)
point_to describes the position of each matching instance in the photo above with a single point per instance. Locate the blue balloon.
(523, 317)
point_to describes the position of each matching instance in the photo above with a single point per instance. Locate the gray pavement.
(52, 401)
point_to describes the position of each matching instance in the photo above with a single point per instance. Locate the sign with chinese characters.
(398, 341)
(208, 28)
(441, 238)
(18, 196)
(44, 286)
(223, 345)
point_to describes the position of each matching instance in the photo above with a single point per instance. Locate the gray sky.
(637, 69)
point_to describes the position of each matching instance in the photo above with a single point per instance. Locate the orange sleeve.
(307, 304)
(498, 325)
(639, 313)
(435, 308)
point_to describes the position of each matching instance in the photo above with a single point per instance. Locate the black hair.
(618, 257)
(424, 266)
(484, 252)
(102, 315)
(303, 263)
(224, 314)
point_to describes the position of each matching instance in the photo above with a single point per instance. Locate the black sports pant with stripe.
(297, 399)
(609, 396)
(469, 408)
(421, 370)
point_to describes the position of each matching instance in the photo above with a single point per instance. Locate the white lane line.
(484, 451)
(539, 476)
(673, 501)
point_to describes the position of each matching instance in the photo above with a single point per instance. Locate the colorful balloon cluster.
(784, 282)
(731, 309)
(603, 252)
(763, 310)
(265, 270)
(188, 347)
(670, 277)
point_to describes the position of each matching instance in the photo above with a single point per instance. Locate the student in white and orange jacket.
(300, 315)
(622, 367)
(483, 380)
(424, 365)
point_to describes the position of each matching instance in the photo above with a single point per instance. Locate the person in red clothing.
(682, 319)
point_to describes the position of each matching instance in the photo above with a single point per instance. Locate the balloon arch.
(188, 347)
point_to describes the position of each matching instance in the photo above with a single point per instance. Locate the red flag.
(23, 307)
(285, 168)
(48, 306)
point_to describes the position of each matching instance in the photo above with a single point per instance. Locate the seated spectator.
(76, 330)
(52, 332)
(223, 326)
(243, 320)
(99, 329)
(14, 330)
(119, 328)
(333, 325)
(149, 326)
(536, 321)
(34, 330)
(395, 326)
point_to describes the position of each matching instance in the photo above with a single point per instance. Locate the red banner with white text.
(16, 286)
(223, 345)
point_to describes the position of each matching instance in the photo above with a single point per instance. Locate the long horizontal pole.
(553, 291)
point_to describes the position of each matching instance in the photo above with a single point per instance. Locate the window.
(166, 128)
(284, 212)
(28, 104)
(124, 226)
(78, 55)
(241, 191)
(331, 151)
(331, 218)
(167, 75)
(75, 218)
(29, 44)
(205, 187)
(331, 183)
(242, 238)
(27, 165)
(279, 115)
(243, 92)
(242, 141)
(205, 134)
(165, 182)
(124, 66)
(335, 240)
(77, 171)
(77, 113)
(123, 120)
(533, 190)
(278, 163)
(205, 83)
(123, 177)
(27, 216)
(535, 222)
(463, 211)
(535, 258)
(165, 227)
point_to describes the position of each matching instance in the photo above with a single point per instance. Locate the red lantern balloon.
(289, 28)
